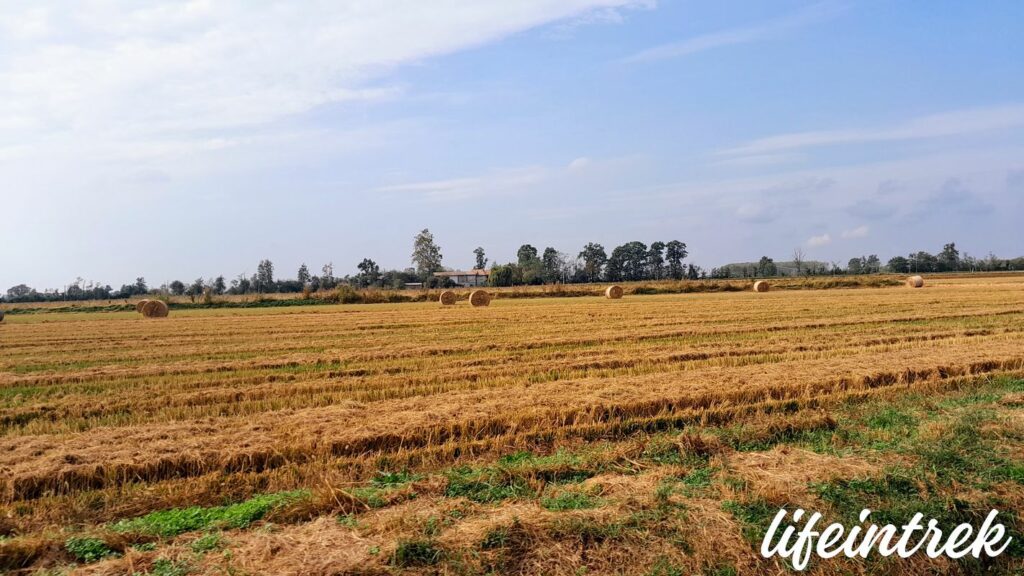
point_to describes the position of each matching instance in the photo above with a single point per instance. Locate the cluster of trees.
(950, 260)
(631, 261)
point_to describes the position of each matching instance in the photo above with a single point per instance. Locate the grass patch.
(176, 521)
(570, 500)
(755, 516)
(165, 567)
(206, 543)
(86, 549)
(411, 553)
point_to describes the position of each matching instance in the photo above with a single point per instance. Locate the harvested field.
(107, 416)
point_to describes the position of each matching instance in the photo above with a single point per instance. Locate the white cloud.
(953, 123)
(124, 71)
(858, 232)
(496, 183)
(763, 31)
(580, 163)
(818, 241)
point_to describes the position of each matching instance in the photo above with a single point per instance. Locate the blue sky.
(184, 139)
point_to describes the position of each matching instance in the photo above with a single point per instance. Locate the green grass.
(176, 521)
(206, 543)
(412, 553)
(86, 549)
(165, 567)
(569, 500)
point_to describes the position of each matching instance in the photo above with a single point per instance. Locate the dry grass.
(105, 415)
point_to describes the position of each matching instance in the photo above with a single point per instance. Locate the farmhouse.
(474, 277)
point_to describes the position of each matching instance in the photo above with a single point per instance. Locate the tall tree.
(554, 264)
(219, 287)
(798, 260)
(303, 275)
(594, 259)
(949, 258)
(369, 272)
(177, 287)
(328, 281)
(656, 260)
(264, 276)
(426, 255)
(140, 285)
(766, 267)
(481, 259)
(526, 254)
(675, 253)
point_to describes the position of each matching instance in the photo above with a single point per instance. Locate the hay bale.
(155, 309)
(915, 282)
(447, 298)
(479, 298)
(139, 305)
(613, 292)
(761, 286)
(1, 315)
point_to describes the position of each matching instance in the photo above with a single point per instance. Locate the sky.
(183, 139)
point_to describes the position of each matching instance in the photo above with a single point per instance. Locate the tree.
(766, 267)
(594, 259)
(177, 287)
(854, 266)
(426, 255)
(873, 265)
(526, 254)
(140, 285)
(628, 262)
(195, 289)
(656, 261)
(798, 260)
(303, 275)
(949, 258)
(898, 265)
(369, 272)
(219, 287)
(19, 291)
(328, 281)
(505, 275)
(481, 260)
(264, 279)
(553, 265)
(675, 253)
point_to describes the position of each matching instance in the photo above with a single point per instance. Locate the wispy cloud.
(953, 123)
(818, 241)
(858, 232)
(758, 32)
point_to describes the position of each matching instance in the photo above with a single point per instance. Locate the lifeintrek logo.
(785, 540)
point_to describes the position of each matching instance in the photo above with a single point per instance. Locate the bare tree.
(798, 259)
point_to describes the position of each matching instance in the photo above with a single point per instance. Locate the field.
(650, 435)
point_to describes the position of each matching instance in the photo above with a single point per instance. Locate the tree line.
(632, 261)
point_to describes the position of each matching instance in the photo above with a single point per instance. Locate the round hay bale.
(140, 304)
(479, 298)
(155, 309)
(447, 298)
(915, 282)
(761, 286)
(1, 315)
(613, 292)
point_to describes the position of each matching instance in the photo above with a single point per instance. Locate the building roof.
(473, 272)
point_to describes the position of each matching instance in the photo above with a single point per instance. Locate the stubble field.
(649, 435)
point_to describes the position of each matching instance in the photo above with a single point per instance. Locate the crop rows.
(110, 404)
